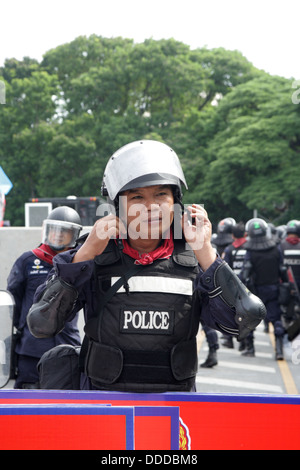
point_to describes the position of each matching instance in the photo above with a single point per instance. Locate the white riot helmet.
(140, 164)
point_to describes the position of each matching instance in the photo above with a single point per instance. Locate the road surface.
(261, 374)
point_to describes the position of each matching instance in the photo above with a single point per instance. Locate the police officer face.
(149, 211)
(60, 237)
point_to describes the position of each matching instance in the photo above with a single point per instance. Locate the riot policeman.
(262, 273)
(144, 286)
(290, 302)
(60, 231)
(290, 247)
(224, 234)
(234, 255)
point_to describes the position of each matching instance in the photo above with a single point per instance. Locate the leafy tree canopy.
(234, 127)
(254, 155)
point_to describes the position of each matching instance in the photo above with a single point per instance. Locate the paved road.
(259, 375)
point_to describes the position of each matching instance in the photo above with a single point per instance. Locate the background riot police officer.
(290, 247)
(60, 231)
(224, 236)
(262, 273)
(234, 255)
(143, 285)
(290, 301)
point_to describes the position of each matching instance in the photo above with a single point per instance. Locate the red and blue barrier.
(40, 419)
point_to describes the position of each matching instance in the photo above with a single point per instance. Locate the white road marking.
(243, 366)
(256, 387)
(236, 353)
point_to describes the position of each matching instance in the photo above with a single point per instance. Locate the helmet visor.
(60, 235)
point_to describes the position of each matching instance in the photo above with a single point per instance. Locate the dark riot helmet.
(293, 227)
(281, 232)
(259, 239)
(256, 228)
(140, 164)
(61, 228)
(224, 232)
(226, 225)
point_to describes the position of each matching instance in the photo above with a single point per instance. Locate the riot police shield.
(7, 306)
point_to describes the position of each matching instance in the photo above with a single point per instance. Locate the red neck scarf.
(239, 242)
(45, 253)
(292, 240)
(164, 251)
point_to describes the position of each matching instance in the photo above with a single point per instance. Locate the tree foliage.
(234, 127)
(254, 156)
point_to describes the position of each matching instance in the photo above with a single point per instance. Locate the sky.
(266, 32)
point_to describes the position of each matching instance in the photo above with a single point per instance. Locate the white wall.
(14, 241)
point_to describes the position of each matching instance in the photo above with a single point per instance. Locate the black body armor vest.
(144, 337)
(266, 266)
(236, 258)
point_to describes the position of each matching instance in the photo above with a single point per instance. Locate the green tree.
(65, 116)
(253, 160)
(25, 131)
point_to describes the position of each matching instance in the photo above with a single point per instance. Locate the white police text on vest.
(147, 321)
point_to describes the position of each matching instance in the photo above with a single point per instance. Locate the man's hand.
(198, 235)
(104, 229)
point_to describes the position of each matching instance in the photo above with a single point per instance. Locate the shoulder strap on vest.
(110, 255)
(95, 322)
(184, 256)
(119, 283)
